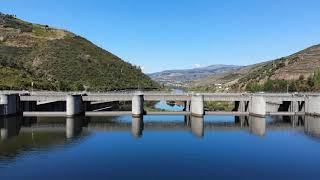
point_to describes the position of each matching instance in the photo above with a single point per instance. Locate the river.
(165, 106)
(160, 147)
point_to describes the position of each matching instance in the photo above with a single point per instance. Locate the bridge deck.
(162, 96)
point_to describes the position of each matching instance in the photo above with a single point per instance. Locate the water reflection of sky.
(153, 118)
(175, 118)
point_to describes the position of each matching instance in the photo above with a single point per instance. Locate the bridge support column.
(9, 104)
(313, 105)
(258, 106)
(186, 106)
(240, 106)
(137, 105)
(294, 106)
(74, 105)
(197, 108)
(302, 106)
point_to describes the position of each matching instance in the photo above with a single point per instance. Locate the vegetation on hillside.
(295, 73)
(312, 83)
(40, 57)
(218, 106)
(10, 21)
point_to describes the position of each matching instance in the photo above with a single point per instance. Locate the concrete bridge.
(76, 103)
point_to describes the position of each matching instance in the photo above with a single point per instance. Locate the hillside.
(297, 72)
(54, 59)
(181, 77)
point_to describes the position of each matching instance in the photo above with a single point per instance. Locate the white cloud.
(196, 65)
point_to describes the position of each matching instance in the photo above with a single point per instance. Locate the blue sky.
(175, 34)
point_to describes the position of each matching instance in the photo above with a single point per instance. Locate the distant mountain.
(297, 72)
(42, 57)
(180, 77)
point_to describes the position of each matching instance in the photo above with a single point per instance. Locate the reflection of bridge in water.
(74, 126)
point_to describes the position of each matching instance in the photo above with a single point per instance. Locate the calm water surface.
(160, 147)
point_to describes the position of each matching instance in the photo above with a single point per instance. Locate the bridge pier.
(302, 106)
(74, 105)
(137, 105)
(243, 106)
(186, 106)
(9, 104)
(313, 105)
(197, 108)
(258, 106)
(240, 106)
(294, 106)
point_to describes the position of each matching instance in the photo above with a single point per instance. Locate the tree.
(301, 77)
(268, 86)
(253, 87)
(310, 81)
(292, 86)
(316, 79)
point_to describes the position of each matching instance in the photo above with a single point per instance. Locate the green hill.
(297, 72)
(54, 59)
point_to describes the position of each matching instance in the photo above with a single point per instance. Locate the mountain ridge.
(181, 76)
(296, 72)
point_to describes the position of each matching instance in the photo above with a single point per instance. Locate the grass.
(9, 21)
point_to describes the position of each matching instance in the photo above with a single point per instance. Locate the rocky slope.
(297, 70)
